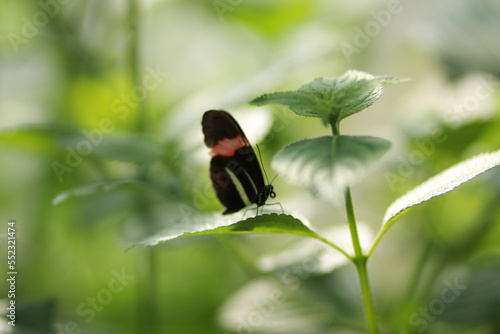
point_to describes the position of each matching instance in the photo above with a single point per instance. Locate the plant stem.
(360, 261)
(367, 296)
(135, 61)
(352, 224)
(153, 290)
(334, 124)
(148, 302)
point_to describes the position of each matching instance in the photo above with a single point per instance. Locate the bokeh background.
(101, 146)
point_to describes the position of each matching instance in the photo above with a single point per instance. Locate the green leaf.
(442, 183)
(302, 103)
(102, 187)
(327, 165)
(217, 224)
(331, 99)
(437, 185)
(134, 149)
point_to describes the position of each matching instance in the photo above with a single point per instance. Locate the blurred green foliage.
(133, 164)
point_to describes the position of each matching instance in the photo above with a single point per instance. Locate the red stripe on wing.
(228, 146)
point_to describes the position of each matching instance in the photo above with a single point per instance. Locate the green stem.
(135, 61)
(367, 296)
(148, 313)
(153, 289)
(360, 261)
(351, 219)
(334, 124)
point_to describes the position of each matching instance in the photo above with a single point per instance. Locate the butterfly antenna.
(263, 169)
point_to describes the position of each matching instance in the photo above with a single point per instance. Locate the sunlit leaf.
(438, 185)
(331, 99)
(442, 183)
(217, 224)
(328, 165)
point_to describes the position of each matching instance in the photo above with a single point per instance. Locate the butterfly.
(234, 169)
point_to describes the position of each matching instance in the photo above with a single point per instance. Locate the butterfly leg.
(277, 203)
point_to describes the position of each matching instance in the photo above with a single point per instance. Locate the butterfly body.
(234, 169)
